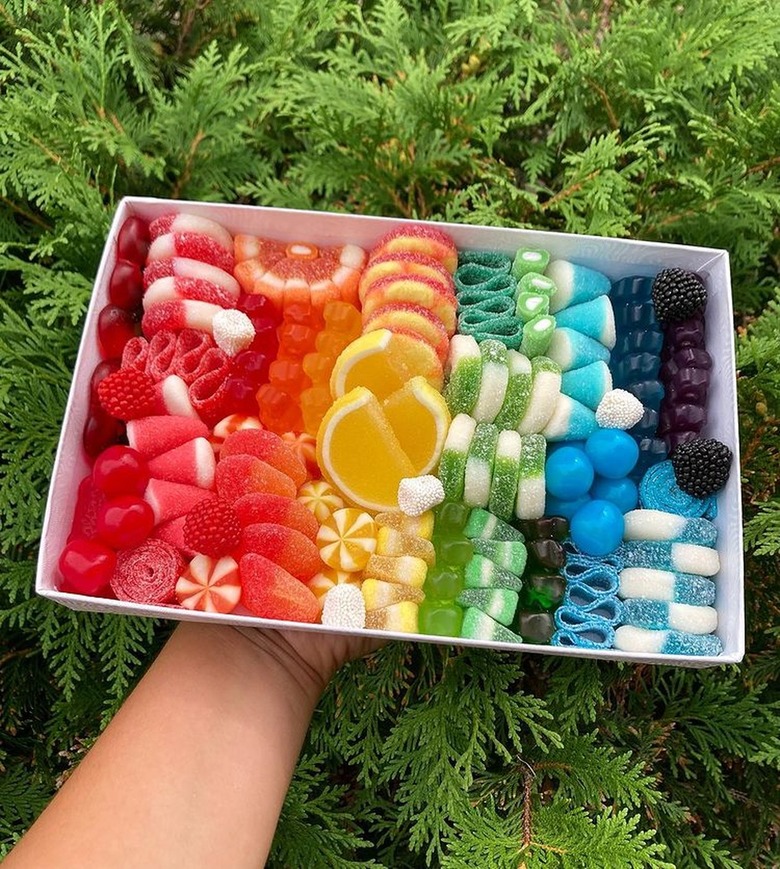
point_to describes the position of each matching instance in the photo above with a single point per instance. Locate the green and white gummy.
(506, 475)
(530, 490)
(545, 389)
(494, 380)
(464, 366)
(452, 464)
(479, 465)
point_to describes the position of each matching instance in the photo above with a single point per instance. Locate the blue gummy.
(647, 553)
(579, 423)
(652, 450)
(601, 638)
(587, 384)
(576, 284)
(581, 349)
(594, 319)
(557, 507)
(623, 493)
(700, 531)
(633, 288)
(649, 392)
(612, 452)
(681, 643)
(568, 473)
(635, 368)
(606, 607)
(597, 528)
(693, 590)
(590, 631)
(647, 427)
(659, 491)
(650, 614)
(650, 340)
(634, 315)
(600, 580)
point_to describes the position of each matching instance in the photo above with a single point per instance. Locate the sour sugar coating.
(571, 349)
(595, 318)
(499, 603)
(452, 465)
(482, 572)
(493, 384)
(418, 238)
(320, 498)
(392, 542)
(284, 546)
(659, 525)
(645, 583)
(531, 282)
(181, 267)
(479, 626)
(660, 615)
(419, 526)
(190, 223)
(464, 370)
(659, 491)
(537, 335)
(241, 475)
(191, 246)
(529, 503)
(262, 507)
(401, 617)
(530, 260)
(378, 594)
(403, 569)
(518, 391)
(509, 554)
(528, 306)
(170, 289)
(633, 639)
(479, 465)
(270, 592)
(148, 573)
(677, 557)
(570, 421)
(491, 259)
(347, 539)
(506, 474)
(267, 446)
(545, 390)
(575, 284)
(588, 384)
(343, 607)
(486, 525)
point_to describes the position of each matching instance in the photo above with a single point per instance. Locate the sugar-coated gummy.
(494, 380)
(499, 603)
(506, 474)
(378, 593)
(575, 284)
(530, 261)
(660, 525)
(482, 523)
(531, 305)
(491, 259)
(545, 389)
(518, 391)
(530, 500)
(659, 491)
(595, 319)
(479, 626)
(662, 615)
(465, 374)
(632, 639)
(479, 465)
(452, 464)
(651, 584)
(537, 335)
(677, 557)
(509, 554)
(588, 384)
(482, 572)
(571, 349)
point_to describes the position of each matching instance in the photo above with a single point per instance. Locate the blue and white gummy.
(595, 319)
(658, 615)
(571, 349)
(588, 384)
(660, 525)
(677, 557)
(631, 639)
(570, 421)
(575, 283)
(646, 583)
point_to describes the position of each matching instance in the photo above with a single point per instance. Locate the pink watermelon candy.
(270, 448)
(192, 463)
(189, 223)
(191, 268)
(242, 475)
(191, 245)
(173, 532)
(171, 500)
(153, 435)
(171, 289)
(260, 507)
(270, 592)
(179, 314)
(284, 546)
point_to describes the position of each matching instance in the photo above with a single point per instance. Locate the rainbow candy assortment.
(473, 444)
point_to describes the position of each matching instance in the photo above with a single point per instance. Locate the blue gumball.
(622, 493)
(597, 528)
(568, 473)
(612, 452)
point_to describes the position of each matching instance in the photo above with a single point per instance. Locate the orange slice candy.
(419, 238)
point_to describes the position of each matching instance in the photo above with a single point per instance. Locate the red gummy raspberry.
(127, 394)
(212, 528)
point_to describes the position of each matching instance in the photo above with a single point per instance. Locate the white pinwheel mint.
(343, 607)
(619, 409)
(417, 495)
(233, 331)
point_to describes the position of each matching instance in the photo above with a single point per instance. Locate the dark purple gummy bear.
(688, 333)
(689, 385)
(675, 439)
(692, 357)
(687, 417)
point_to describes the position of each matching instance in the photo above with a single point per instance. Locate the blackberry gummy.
(677, 295)
(701, 466)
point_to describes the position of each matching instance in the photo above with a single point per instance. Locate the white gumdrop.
(417, 495)
(233, 331)
(619, 409)
(343, 607)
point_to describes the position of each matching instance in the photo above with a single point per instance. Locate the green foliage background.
(653, 118)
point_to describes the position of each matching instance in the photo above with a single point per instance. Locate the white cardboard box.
(615, 257)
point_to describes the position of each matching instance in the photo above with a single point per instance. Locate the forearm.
(194, 768)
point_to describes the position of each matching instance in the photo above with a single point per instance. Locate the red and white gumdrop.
(179, 314)
(192, 463)
(174, 397)
(210, 585)
(174, 289)
(181, 267)
(171, 500)
(190, 223)
(148, 573)
(192, 246)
